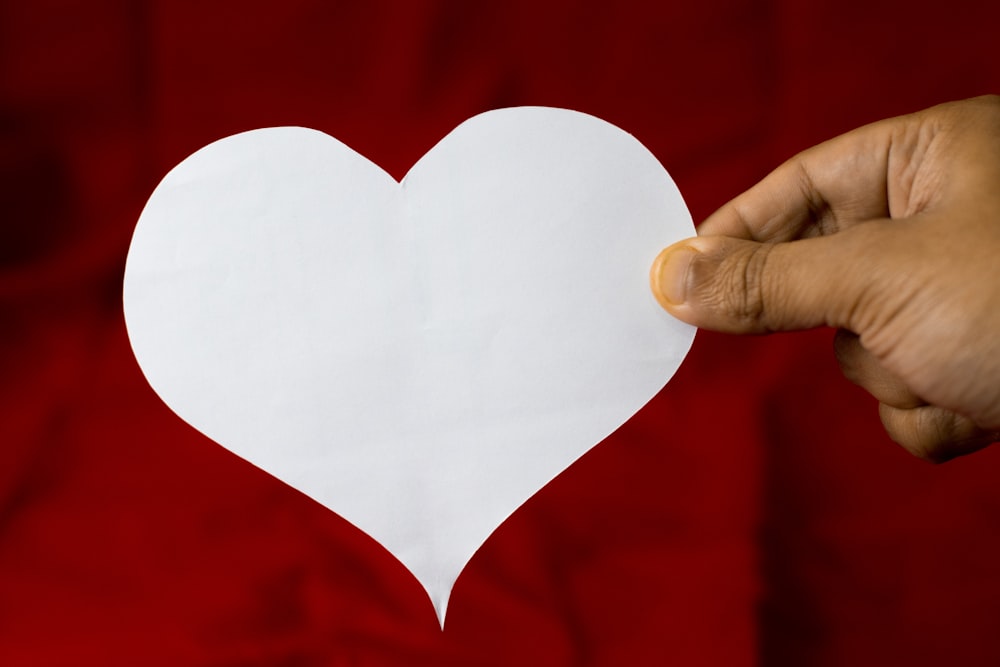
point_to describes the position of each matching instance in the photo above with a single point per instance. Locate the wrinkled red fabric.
(752, 514)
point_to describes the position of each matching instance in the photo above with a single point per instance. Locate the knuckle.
(745, 291)
(991, 101)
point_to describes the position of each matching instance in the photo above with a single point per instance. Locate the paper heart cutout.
(421, 356)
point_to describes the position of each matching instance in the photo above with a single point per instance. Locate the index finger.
(820, 191)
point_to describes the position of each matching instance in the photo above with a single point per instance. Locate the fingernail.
(669, 276)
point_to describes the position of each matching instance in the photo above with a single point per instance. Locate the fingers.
(931, 433)
(822, 190)
(863, 369)
(739, 286)
(934, 434)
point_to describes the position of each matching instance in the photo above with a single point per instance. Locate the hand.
(890, 233)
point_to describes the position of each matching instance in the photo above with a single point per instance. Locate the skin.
(891, 234)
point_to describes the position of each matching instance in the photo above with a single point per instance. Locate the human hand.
(891, 233)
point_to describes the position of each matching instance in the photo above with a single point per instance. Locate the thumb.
(739, 286)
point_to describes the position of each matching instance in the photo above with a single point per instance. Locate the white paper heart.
(419, 357)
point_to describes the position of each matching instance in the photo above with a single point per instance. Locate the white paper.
(419, 357)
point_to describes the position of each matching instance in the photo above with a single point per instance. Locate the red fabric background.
(752, 514)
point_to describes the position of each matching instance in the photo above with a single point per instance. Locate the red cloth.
(752, 514)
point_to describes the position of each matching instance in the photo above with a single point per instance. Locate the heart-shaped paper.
(419, 357)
